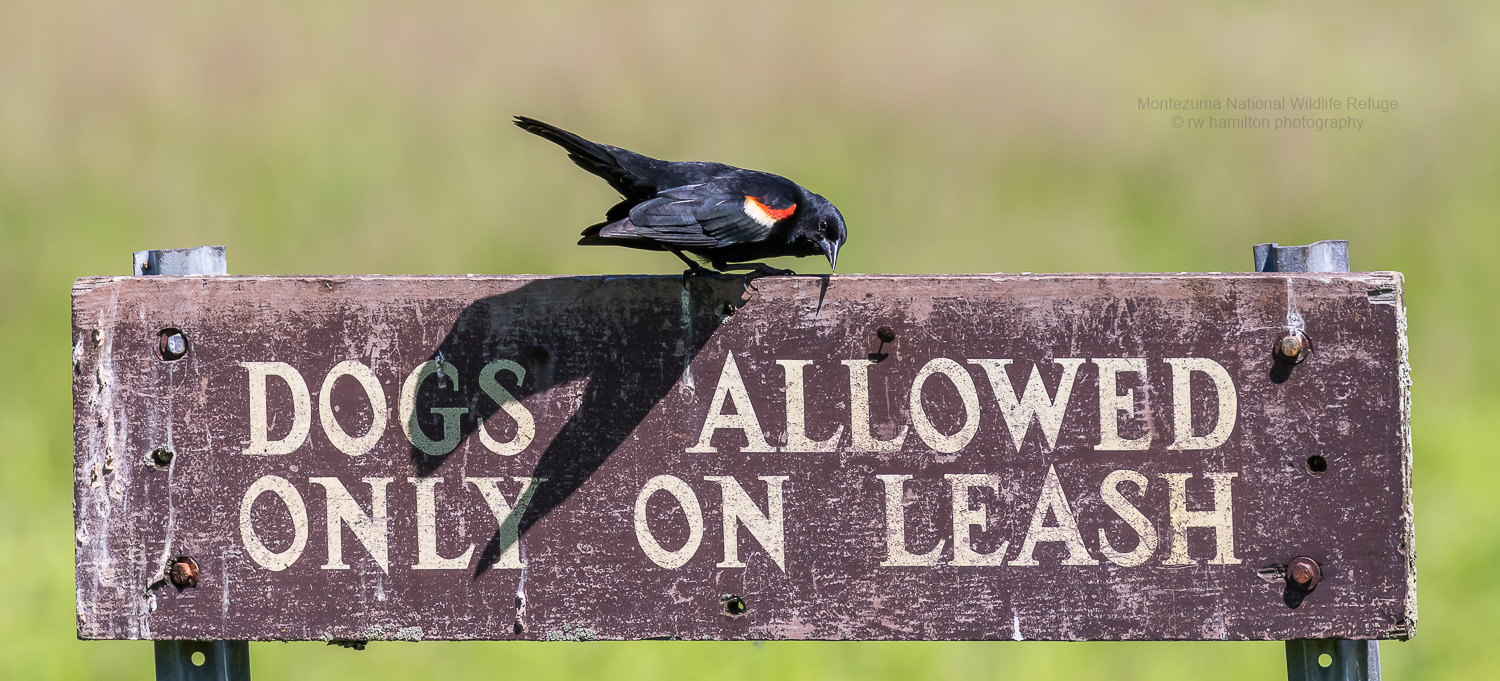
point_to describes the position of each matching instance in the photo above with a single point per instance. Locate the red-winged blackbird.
(725, 215)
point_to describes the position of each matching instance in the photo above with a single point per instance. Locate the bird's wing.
(696, 216)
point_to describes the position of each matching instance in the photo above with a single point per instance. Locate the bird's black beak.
(831, 249)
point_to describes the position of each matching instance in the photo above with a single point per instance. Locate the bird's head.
(826, 230)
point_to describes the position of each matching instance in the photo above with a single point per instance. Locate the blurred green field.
(373, 137)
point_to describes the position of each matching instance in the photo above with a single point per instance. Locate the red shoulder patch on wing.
(765, 214)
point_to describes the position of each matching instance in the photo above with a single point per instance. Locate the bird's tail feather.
(591, 236)
(599, 159)
(576, 146)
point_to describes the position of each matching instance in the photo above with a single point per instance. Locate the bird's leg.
(756, 271)
(694, 269)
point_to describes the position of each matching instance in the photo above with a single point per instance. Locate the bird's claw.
(757, 269)
(696, 271)
(763, 270)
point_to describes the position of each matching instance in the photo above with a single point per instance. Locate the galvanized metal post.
(1318, 256)
(1347, 660)
(175, 660)
(221, 661)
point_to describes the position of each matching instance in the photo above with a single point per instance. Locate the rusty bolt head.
(886, 334)
(183, 572)
(172, 344)
(1291, 347)
(1304, 574)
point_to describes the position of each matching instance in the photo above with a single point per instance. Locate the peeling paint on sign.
(1035, 457)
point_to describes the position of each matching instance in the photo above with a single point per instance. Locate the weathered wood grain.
(621, 377)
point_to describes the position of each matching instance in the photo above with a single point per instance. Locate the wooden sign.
(1064, 457)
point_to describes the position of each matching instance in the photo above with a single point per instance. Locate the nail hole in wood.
(734, 606)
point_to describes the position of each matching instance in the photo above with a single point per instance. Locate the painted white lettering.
(1182, 402)
(1220, 518)
(896, 554)
(259, 552)
(1033, 404)
(796, 413)
(1066, 530)
(525, 424)
(966, 517)
(1146, 546)
(929, 433)
(508, 517)
(688, 502)
(370, 529)
(408, 410)
(1111, 403)
(859, 412)
(260, 439)
(353, 446)
(731, 388)
(428, 557)
(767, 528)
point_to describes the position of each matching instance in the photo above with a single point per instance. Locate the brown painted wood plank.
(628, 384)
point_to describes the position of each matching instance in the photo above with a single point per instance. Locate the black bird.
(726, 216)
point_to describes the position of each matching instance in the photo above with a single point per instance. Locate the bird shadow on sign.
(1280, 371)
(1292, 596)
(629, 339)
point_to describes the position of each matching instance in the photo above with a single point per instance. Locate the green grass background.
(360, 137)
